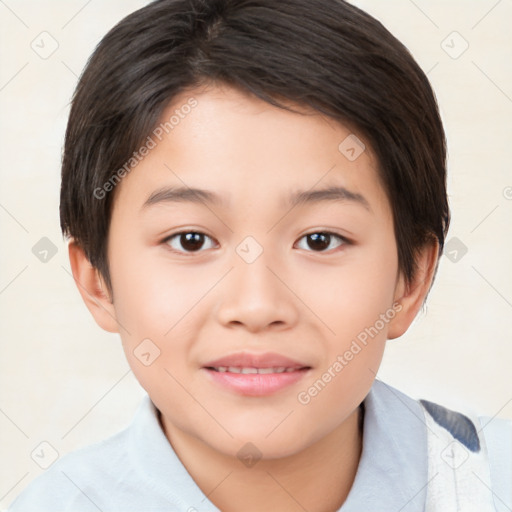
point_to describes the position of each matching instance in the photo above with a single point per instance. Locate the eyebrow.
(197, 195)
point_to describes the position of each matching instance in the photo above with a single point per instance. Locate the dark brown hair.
(323, 54)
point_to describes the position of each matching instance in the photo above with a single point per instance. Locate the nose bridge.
(255, 295)
(253, 265)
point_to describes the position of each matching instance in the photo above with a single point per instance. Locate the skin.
(296, 299)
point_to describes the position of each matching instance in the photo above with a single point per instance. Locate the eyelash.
(344, 241)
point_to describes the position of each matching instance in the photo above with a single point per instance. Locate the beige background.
(65, 382)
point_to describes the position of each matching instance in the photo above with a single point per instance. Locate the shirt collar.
(392, 471)
(158, 464)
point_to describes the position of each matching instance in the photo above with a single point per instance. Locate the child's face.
(303, 298)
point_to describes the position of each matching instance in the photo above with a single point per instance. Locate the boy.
(298, 146)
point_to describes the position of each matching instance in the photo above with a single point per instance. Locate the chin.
(256, 444)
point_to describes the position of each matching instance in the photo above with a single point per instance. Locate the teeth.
(249, 370)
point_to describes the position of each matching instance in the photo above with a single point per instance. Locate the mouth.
(255, 374)
(251, 370)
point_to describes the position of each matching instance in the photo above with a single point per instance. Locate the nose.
(257, 296)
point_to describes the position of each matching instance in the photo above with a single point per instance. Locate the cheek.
(352, 296)
(155, 303)
(355, 302)
(358, 309)
(161, 302)
(152, 295)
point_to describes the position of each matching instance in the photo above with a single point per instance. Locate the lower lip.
(256, 384)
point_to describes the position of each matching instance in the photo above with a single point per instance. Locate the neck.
(316, 479)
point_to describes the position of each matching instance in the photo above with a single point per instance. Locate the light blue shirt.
(137, 469)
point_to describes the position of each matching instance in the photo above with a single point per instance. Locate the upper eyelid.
(325, 231)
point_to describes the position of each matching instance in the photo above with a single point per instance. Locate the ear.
(92, 288)
(412, 296)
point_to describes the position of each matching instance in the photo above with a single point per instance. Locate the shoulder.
(466, 427)
(497, 433)
(473, 451)
(103, 476)
(71, 483)
(464, 452)
(474, 432)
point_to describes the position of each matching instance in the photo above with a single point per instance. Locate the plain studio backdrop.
(65, 382)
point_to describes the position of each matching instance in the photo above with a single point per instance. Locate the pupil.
(189, 241)
(320, 240)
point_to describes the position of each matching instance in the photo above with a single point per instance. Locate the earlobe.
(411, 296)
(92, 289)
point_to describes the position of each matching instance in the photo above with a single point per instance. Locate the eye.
(194, 241)
(319, 241)
(190, 241)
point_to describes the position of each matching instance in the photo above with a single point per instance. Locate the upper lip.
(247, 360)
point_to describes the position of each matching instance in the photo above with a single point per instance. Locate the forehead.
(227, 141)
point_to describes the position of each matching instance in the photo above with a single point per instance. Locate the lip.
(265, 360)
(256, 384)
